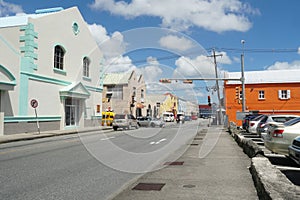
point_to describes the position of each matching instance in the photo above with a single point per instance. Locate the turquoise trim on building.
(75, 28)
(59, 71)
(9, 75)
(23, 96)
(27, 61)
(94, 89)
(31, 118)
(46, 79)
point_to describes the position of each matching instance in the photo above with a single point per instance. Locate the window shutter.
(288, 94)
(279, 94)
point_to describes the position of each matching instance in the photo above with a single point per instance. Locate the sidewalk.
(221, 174)
(36, 135)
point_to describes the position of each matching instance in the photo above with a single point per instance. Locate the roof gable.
(76, 90)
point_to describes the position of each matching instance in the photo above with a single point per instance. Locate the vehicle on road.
(168, 117)
(281, 136)
(264, 124)
(180, 117)
(107, 118)
(254, 122)
(150, 122)
(294, 150)
(187, 118)
(125, 121)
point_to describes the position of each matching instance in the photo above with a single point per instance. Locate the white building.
(49, 56)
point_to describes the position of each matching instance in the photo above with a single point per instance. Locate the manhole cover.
(149, 186)
(174, 163)
(198, 138)
(189, 186)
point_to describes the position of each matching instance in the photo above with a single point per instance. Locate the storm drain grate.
(174, 163)
(194, 144)
(149, 186)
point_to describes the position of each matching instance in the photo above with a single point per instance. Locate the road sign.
(34, 103)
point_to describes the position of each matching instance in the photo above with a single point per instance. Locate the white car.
(254, 122)
(264, 124)
(281, 136)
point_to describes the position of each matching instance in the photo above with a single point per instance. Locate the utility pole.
(243, 79)
(217, 85)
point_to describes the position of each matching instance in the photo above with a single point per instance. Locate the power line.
(235, 50)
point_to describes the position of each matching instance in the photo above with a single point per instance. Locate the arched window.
(86, 67)
(59, 57)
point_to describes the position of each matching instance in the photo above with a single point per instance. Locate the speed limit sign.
(34, 103)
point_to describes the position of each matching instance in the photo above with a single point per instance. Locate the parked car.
(294, 150)
(280, 136)
(187, 118)
(148, 121)
(254, 122)
(263, 125)
(125, 121)
(247, 119)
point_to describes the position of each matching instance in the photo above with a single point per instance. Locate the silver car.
(294, 150)
(125, 121)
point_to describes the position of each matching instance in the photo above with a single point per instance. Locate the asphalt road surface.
(93, 165)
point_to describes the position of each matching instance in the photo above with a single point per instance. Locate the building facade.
(51, 58)
(266, 92)
(124, 93)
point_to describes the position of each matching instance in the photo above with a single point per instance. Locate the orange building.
(266, 92)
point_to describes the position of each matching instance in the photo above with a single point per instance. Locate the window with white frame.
(115, 91)
(59, 54)
(86, 67)
(284, 94)
(261, 94)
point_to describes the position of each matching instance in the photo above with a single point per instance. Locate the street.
(92, 165)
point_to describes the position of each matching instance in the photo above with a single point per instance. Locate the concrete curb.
(269, 181)
(45, 134)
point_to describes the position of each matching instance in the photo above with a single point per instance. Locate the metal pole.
(243, 79)
(218, 89)
(37, 121)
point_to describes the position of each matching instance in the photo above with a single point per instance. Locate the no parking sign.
(34, 103)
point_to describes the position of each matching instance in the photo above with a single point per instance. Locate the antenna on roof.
(48, 10)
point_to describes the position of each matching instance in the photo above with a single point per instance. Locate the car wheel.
(137, 126)
(115, 128)
(152, 125)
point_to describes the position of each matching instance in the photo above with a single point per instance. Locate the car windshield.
(292, 122)
(282, 119)
(120, 117)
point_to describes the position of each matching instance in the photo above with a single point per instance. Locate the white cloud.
(284, 65)
(119, 64)
(212, 15)
(298, 50)
(175, 43)
(9, 8)
(111, 46)
(201, 66)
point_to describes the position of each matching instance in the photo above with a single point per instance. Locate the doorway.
(71, 112)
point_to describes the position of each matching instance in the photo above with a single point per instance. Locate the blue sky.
(270, 29)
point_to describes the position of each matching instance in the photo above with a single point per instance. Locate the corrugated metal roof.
(266, 76)
(117, 78)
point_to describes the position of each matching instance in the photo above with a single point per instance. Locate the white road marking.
(164, 139)
(108, 138)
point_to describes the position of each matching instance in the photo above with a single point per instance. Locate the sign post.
(34, 104)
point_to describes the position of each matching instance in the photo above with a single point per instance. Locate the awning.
(139, 105)
(75, 90)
